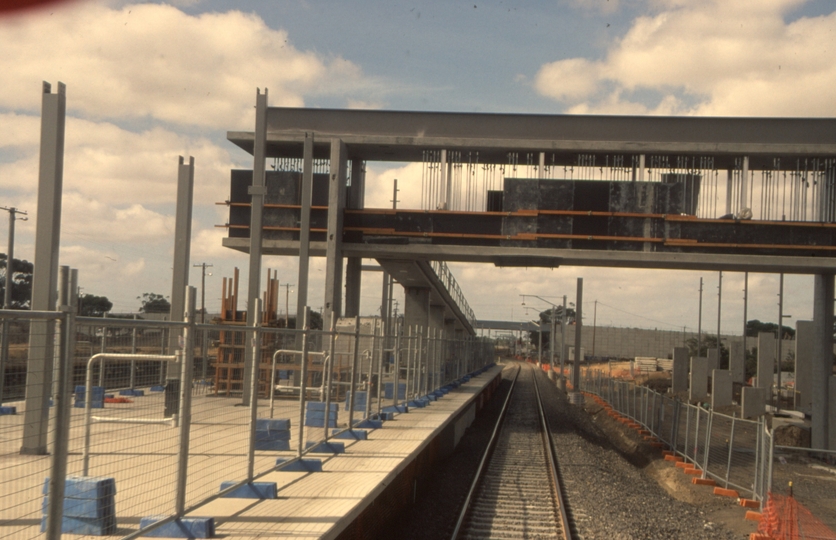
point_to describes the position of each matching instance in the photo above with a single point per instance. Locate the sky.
(148, 82)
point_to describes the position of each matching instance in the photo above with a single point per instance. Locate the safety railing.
(167, 439)
(452, 286)
(735, 452)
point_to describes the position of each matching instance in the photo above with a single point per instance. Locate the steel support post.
(45, 275)
(576, 372)
(257, 191)
(62, 404)
(397, 358)
(182, 246)
(328, 367)
(255, 344)
(185, 416)
(822, 357)
(352, 398)
(334, 242)
(372, 358)
(303, 388)
(304, 231)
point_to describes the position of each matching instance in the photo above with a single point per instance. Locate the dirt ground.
(716, 509)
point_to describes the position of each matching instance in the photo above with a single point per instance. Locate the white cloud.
(706, 58)
(150, 60)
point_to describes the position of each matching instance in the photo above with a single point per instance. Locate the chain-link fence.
(126, 438)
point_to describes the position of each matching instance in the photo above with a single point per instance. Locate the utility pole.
(699, 324)
(203, 267)
(594, 320)
(7, 293)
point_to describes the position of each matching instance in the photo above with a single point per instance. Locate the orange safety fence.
(784, 518)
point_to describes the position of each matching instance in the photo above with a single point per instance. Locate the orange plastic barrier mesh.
(784, 518)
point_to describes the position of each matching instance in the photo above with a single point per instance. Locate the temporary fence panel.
(803, 488)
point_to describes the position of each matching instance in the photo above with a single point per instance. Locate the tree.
(754, 327)
(154, 303)
(90, 305)
(21, 282)
(709, 341)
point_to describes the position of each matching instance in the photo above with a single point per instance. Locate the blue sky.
(149, 82)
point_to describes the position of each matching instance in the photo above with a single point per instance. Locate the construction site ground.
(721, 510)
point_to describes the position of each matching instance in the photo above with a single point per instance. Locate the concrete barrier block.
(721, 388)
(158, 388)
(431, 397)
(87, 526)
(320, 406)
(418, 403)
(698, 385)
(388, 390)
(276, 435)
(400, 409)
(191, 527)
(320, 422)
(328, 447)
(252, 490)
(85, 508)
(351, 434)
(320, 415)
(387, 416)
(272, 445)
(272, 424)
(359, 400)
(302, 465)
(86, 487)
(370, 424)
(753, 402)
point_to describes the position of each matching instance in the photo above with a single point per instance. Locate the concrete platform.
(324, 504)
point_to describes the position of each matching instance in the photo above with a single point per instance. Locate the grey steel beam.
(552, 258)
(354, 265)
(396, 135)
(334, 236)
(304, 235)
(45, 276)
(257, 191)
(182, 249)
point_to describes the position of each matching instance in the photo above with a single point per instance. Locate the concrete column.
(698, 385)
(182, 249)
(721, 388)
(713, 359)
(45, 275)
(752, 402)
(304, 234)
(257, 191)
(577, 398)
(832, 414)
(353, 282)
(416, 311)
(679, 377)
(353, 265)
(805, 332)
(334, 239)
(737, 360)
(436, 317)
(822, 366)
(766, 360)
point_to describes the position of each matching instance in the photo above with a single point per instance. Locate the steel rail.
(488, 450)
(560, 492)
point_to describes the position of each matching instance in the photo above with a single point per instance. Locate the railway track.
(516, 492)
